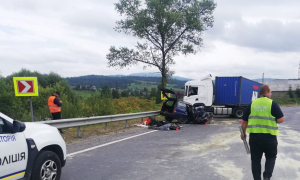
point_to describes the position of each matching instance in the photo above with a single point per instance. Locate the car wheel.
(238, 113)
(182, 120)
(47, 166)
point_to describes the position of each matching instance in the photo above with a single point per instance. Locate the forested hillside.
(124, 82)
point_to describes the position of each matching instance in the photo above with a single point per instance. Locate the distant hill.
(159, 75)
(123, 82)
(266, 79)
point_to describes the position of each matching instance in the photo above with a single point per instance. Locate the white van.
(30, 150)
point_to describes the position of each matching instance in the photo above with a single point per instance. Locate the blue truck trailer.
(227, 96)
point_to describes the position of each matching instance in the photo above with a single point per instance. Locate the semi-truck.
(226, 96)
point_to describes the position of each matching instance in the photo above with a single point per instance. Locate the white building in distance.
(281, 87)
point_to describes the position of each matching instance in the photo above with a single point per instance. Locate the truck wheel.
(238, 113)
(46, 166)
(182, 120)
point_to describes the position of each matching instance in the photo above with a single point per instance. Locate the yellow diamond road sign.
(163, 97)
(26, 86)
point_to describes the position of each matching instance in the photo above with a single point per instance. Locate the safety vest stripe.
(55, 109)
(262, 117)
(262, 126)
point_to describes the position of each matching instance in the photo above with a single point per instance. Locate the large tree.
(166, 28)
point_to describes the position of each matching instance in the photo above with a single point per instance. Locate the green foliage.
(153, 92)
(115, 94)
(124, 93)
(167, 28)
(105, 92)
(297, 92)
(97, 105)
(134, 104)
(287, 101)
(83, 94)
(290, 92)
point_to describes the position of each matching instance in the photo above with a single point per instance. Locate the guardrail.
(77, 122)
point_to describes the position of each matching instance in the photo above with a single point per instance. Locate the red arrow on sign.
(25, 86)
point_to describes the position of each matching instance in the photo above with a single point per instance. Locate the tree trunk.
(163, 79)
(163, 71)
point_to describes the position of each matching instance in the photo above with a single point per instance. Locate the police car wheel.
(46, 166)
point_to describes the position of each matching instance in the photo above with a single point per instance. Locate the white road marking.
(95, 147)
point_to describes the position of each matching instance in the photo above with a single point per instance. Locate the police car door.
(13, 152)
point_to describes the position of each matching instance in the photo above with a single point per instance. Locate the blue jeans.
(257, 148)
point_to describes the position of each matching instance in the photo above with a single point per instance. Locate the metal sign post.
(31, 109)
(26, 86)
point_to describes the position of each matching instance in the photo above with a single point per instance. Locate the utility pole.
(299, 71)
(262, 80)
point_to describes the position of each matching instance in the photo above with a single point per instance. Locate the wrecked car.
(183, 112)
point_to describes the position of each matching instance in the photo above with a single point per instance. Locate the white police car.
(30, 150)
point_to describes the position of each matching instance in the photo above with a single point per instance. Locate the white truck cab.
(30, 150)
(199, 91)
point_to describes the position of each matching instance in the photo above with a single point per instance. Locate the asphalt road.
(196, 152)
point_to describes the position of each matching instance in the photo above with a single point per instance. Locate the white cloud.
(72, 38)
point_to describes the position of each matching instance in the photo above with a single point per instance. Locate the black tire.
(182, 120)
(47, 164)
(238, 113)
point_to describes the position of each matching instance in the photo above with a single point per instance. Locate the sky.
(72, 38)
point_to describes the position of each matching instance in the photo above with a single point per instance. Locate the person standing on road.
(54, 105)
(260, 118)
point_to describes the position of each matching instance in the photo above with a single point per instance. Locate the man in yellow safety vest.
(260, 119)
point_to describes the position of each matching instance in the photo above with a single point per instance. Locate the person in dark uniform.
(54, 105)
(260, 118)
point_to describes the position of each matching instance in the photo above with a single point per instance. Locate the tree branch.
(154, 59)
(172, 44)
(159, 45)
(143, 61)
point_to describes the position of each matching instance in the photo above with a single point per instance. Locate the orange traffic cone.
(205, 124)
(176, 128)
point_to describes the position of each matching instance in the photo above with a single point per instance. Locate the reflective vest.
(260, 119)
(53, 107)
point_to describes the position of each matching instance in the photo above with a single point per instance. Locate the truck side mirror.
(18, 126)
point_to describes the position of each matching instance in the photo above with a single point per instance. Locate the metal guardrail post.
(105, 126)
(125, 123)
(141, 119)
(78, 132)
